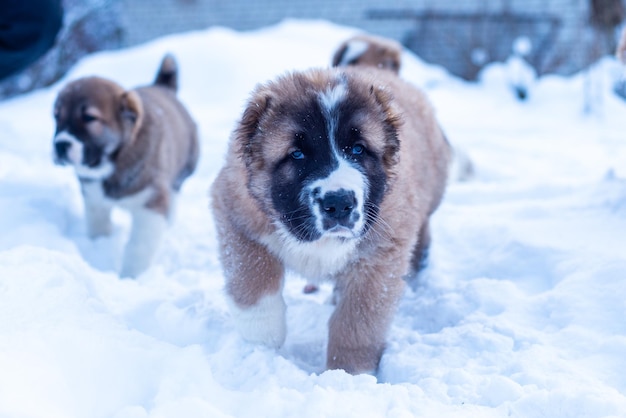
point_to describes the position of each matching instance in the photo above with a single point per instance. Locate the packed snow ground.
(520, 313)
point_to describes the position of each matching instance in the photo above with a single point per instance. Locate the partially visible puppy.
(621, 48)
(130, 148)
(369, 50)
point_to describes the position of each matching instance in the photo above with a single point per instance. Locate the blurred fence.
(464, 42)
(562, 36)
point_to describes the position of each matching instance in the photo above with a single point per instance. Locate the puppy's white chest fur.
(317, 260)
(93, 192)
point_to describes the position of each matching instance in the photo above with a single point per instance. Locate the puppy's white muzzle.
(337, 202)
(69, 150)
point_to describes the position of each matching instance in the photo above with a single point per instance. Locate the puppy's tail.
(167, 76)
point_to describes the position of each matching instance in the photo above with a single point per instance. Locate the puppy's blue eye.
(297, 155)
(357, 149)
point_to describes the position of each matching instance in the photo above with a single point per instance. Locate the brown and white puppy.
(130, 148)
(369, 50)
(332, 173)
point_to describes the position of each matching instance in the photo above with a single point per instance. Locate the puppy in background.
(386, 54)
(129, 148)
(369, 50)
(621, 48)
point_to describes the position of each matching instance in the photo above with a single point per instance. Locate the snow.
(520, 312)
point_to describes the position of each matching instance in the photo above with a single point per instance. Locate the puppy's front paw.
(262, 323)
(361, 360)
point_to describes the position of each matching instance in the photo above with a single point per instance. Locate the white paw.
(263, 323)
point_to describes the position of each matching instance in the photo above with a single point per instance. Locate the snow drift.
(521, 311)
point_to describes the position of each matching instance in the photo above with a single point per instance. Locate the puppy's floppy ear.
(248, 126)
(392, 121)
(339, 54)
(131, 110)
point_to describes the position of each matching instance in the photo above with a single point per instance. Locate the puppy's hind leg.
(145, 237)
(419, 259)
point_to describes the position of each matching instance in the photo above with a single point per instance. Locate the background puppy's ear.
(131, 110)
(338, 57)
(392, 122)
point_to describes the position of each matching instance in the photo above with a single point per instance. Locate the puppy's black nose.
(338, 205)
(61, 147)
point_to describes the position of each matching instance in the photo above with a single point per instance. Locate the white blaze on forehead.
(354, 50)
(329, 101)
(331, 97)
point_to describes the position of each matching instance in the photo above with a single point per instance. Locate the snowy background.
(520, 313)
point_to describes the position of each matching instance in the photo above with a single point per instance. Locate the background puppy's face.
(322, 145)
(92, 118)
(370, 52)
